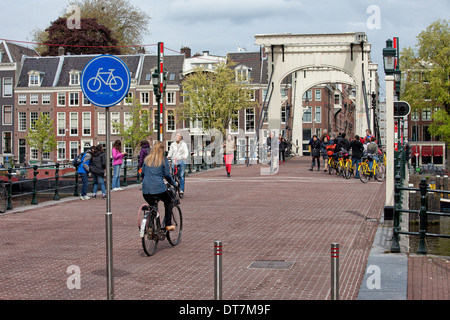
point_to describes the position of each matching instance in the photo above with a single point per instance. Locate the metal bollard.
(335, 271)
(218, 270)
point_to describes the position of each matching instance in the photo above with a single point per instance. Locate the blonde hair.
(156, 156)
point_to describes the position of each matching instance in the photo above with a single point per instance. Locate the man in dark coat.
(357, 152)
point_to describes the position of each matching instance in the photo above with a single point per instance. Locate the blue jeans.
(85, 181)
(356, 162)
(182, 164)
(98, 179)
(116, 176)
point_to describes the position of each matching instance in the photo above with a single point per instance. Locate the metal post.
(218, 270)
(35, 173)
(9, 201)
(390, 137)
(395, 247)
(108, 216)
(422, 216)
(335, 271)
(56, 196)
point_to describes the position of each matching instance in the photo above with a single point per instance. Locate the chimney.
(60, 51)
(186, 51)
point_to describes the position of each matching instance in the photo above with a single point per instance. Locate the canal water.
(434, 245)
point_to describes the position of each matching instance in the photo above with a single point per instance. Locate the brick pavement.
(292, 216)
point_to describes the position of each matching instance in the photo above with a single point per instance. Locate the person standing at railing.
(83, 171)
(97, 169)
(229, 147)
(145, 150)
(117, 156)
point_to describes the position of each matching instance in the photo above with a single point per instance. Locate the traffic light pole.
(160, 97)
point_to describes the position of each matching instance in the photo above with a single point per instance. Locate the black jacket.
(343, 143)
(357, 149)
(98, 163)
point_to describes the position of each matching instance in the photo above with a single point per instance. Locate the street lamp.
(389, 54)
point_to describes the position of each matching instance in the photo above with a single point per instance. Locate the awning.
(415, 150)
(438, 151)
(426, 151)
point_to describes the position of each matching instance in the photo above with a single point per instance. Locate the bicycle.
(152, 231)
(365, 173)
(95, 83)
(3, 197)
(175, 173)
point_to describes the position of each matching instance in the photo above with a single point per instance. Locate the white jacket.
(178, 151)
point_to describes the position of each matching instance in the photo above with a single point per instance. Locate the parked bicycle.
(152, 231)
(365, 172)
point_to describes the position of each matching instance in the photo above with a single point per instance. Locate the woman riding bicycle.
(155, 168)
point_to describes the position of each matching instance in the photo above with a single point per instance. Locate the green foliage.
(137, 129)
(42, 136)
(214, 97)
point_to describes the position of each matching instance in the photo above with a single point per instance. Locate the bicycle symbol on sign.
(115, 83)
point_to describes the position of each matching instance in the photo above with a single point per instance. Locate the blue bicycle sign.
(105, 80)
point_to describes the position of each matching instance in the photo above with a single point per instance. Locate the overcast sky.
(221, 26)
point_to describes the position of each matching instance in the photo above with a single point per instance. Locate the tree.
(92, 38)
(136, 127)
(127, 23)
(215, 98)
(426, 76)
(42, 136)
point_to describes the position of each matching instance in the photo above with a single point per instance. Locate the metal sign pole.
(108, 217)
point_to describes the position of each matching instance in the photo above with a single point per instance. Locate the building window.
(318, 96)
(127, 120)
(86, 123)
(73, 149)
(7, 87)
(7, 142)
(33, 119)
(283, 114)
(318, 117)
(46, 98)
(61, 150)
(415, 116)
(250, 120)
(101, 123)
(73, 99)
(415, 133)
(34, 78)
(170, 120)
(115, 118)
(86, 102)
(155, 120)
(7, 115)
(61, 123)
(34, 153)
(171, 98)
(74, 123)
(426, 114)
(145, 98)
(22, 99)
(74, 78)
(307, 115)
(307, 95)
(129, 99)
(22, 121)
(234, 128)
(34, 99)
(61, 99)
(337, 99)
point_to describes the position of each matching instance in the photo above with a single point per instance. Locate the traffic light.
(401, 109)
(374, 101)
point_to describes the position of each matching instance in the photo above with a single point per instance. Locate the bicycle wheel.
(379, 174)
(174, 237)
(348, 169)
(330, 166)
(150, 239)
(363, 173)
(3, 199)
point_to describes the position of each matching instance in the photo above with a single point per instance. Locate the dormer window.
(243, 73)
(74, 77)
(35, 78)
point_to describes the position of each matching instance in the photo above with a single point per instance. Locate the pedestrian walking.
(117, 156)
(315, 152)
(357, 153)
(83, 171)
(155, 168)
(97, 169)
(282, 147)
(144, 152)
(323, 148)
(229, 147)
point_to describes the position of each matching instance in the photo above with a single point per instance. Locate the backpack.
(78, 159)
(330, 149)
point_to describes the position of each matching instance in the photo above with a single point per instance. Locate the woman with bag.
(315, 152)
(117, 155)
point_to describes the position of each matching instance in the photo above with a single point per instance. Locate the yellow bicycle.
(365, 173)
